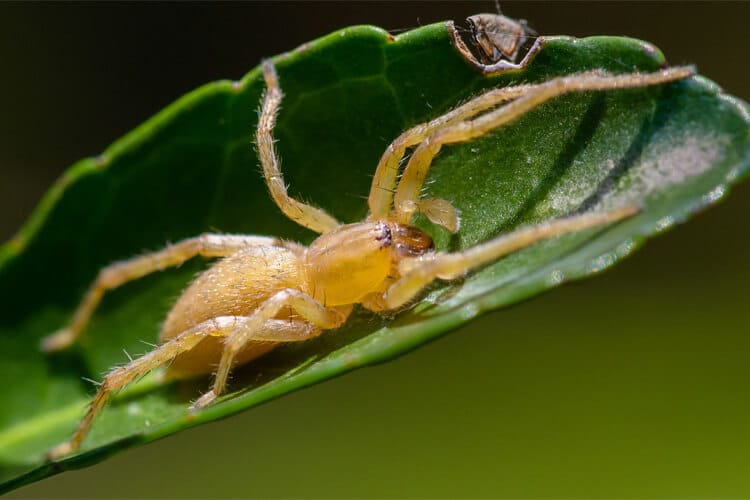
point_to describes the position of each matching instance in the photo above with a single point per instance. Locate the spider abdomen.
(233, 286)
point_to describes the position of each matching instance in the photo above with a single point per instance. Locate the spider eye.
(410, 241)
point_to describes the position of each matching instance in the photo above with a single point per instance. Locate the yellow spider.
(266, 291)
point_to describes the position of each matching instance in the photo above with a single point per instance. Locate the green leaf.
(191, 168)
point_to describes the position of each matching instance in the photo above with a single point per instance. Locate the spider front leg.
(406, 199)
(384, 180)
(119, 273)
(311, 311)
(303, 214)
(419, 272)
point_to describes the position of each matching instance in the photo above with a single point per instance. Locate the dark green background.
(635, 383)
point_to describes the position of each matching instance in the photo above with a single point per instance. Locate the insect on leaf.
(673, 149)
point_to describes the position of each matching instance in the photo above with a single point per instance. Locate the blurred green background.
(632, 384)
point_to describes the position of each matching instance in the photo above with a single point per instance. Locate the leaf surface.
(674, 149)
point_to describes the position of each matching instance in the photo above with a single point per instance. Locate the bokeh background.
(632, 384)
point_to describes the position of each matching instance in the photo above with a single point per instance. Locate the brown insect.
(499, 37)
(265, 291)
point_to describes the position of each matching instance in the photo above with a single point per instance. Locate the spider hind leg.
(117, 274)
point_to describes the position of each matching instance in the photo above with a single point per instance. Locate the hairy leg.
(384, 180)
(309, 309)
(121, 376)
(119, 273)
(421, 271)
(406, 200)
(281, 330)
(305, 215)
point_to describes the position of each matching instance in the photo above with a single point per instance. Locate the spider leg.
(311, 311)
(419, 272)
(305, 215)
(406, 200)
(119, 273)
(123, 375)
(216, 327)
(384, 180)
